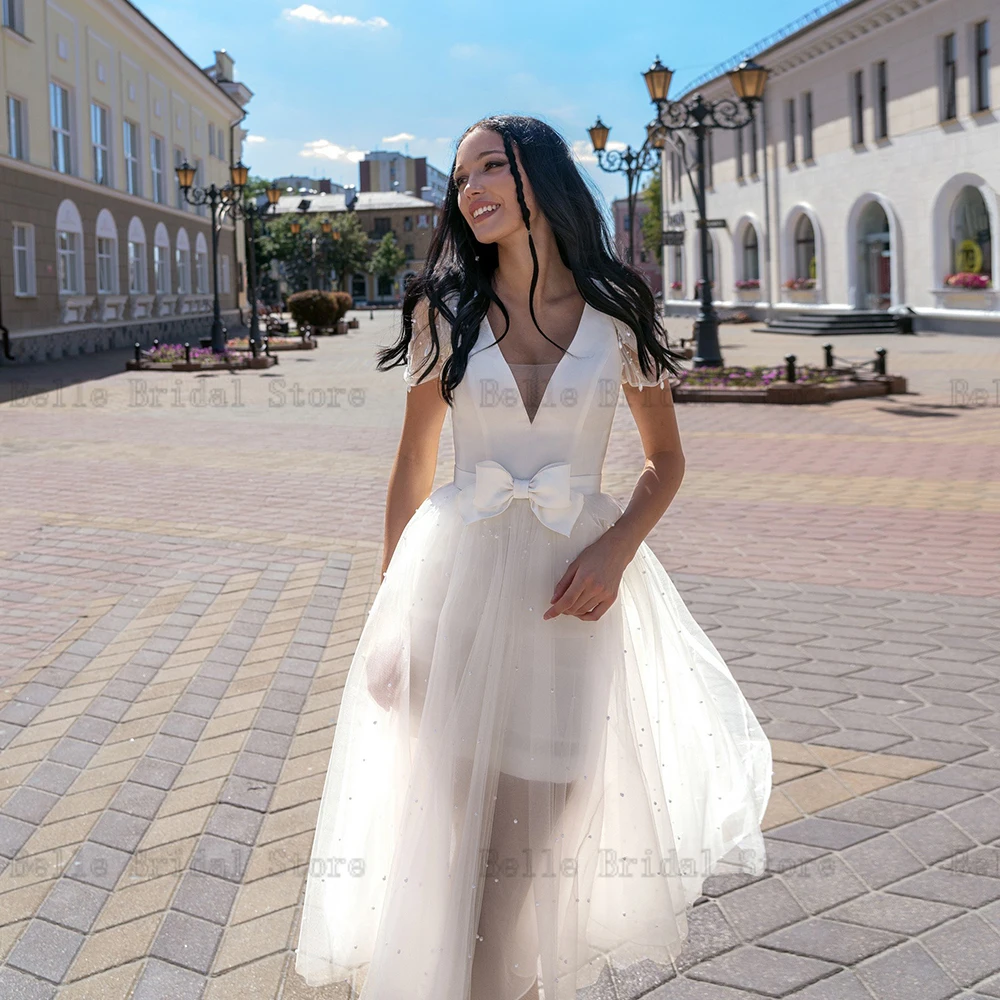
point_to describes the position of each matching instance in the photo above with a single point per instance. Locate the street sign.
(712, 224)
(673, 237)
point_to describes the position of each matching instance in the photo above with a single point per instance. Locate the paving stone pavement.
(184, 575)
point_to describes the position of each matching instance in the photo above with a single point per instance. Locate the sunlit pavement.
(185, 567)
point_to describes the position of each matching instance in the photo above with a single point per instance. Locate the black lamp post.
(699, 116)
(260, 209)
(632, 163)
(214, 197)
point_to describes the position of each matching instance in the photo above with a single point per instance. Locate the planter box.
(748, 295)
(182, 366)
(807, 296)
(791, 393)
(353, 324)
(985, 299)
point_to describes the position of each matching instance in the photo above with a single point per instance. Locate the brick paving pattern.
(185, 569)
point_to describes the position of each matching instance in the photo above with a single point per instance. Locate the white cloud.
(323, 149)
(255, 140)
(583, 150)
(399, 137)
(307, 12)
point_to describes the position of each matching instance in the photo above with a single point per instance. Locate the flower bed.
(274, 344)
(763, 384)
(178, 358)
(967, 279)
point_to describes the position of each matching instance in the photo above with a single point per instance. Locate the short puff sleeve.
(632, 373)
(419, 352)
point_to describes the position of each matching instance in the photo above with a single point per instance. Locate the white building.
(869, 178)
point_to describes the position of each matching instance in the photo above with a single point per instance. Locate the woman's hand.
(591, 581)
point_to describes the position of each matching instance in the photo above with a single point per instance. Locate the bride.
(539, 755)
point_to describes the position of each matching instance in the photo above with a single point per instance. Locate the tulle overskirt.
(510, 798)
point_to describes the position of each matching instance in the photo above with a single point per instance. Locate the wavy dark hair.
(460, 268)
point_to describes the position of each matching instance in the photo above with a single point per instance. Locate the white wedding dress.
(511, 799)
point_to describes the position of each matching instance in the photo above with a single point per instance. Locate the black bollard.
(828, 351)
(253, 346)
(267, 347)
(187, 353)
(156, 344)
(138, 351)
(880, 361)
(789, 367)
(371, 313)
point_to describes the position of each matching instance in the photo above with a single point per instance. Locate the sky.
(335, 78)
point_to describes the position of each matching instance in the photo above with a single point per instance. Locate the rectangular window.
(224, 278)
(161, 269)
(753, 147)
(422, 222)
(24, 260)
(790, 132)
(201, 271)
(99, 140)
(136, 267)
(858, 105)
(949, 78)
(739, 154)
(881, 100)
(17, 144)
(382, 226)
(199, 181)
(62, 139)
(211, 139)
(981, 98)
(183, 260)
(68, 255)
(130, 148)
(156, 169)
(107, 266)
(178, 161)
(13, 15)
(807, 126)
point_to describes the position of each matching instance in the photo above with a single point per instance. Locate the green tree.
(387, 259)
(652, 221)
(346, 248)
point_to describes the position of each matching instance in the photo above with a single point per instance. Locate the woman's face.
(487, 197)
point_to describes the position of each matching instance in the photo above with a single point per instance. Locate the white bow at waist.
(555, 496)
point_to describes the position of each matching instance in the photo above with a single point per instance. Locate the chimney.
(324, 185)
(223, 66)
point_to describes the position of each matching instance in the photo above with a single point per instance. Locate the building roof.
(240, 89)
(367, 201)
(826, 11)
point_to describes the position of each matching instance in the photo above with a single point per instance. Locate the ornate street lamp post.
(214, 197)
(632, 163)
(699, 116)
(260, 209)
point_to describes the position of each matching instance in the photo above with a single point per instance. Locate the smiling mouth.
(483, 212)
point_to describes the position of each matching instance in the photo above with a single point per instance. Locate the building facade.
(297, 184)
(98, 247)
(411, 220)
(868, 181)
(383, 170)
(642, 259)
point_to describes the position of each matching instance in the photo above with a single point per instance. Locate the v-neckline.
(552, 374)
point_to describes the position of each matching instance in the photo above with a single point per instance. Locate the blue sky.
(334, 78)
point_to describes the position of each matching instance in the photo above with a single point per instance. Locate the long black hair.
(459, 269)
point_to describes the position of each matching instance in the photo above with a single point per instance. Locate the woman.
(539, 754)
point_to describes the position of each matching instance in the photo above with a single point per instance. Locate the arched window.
(677, 279)
(805, 248)
(69, 249)
(751, 254)
(182, 257)
(201, 264)
(107, 253)
(161, 259)
(137, 282)
(971, 238)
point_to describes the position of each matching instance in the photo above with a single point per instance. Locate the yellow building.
(98, 247)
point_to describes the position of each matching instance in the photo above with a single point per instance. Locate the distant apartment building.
(382, 170)
(642, 259)
(870, 177)
(411, 220)
(308, 185)
(98, 247)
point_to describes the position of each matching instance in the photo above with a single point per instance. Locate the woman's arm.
(412, 477)
(653, 410)
(590, 584)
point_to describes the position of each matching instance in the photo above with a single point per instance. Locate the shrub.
(314, 310)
